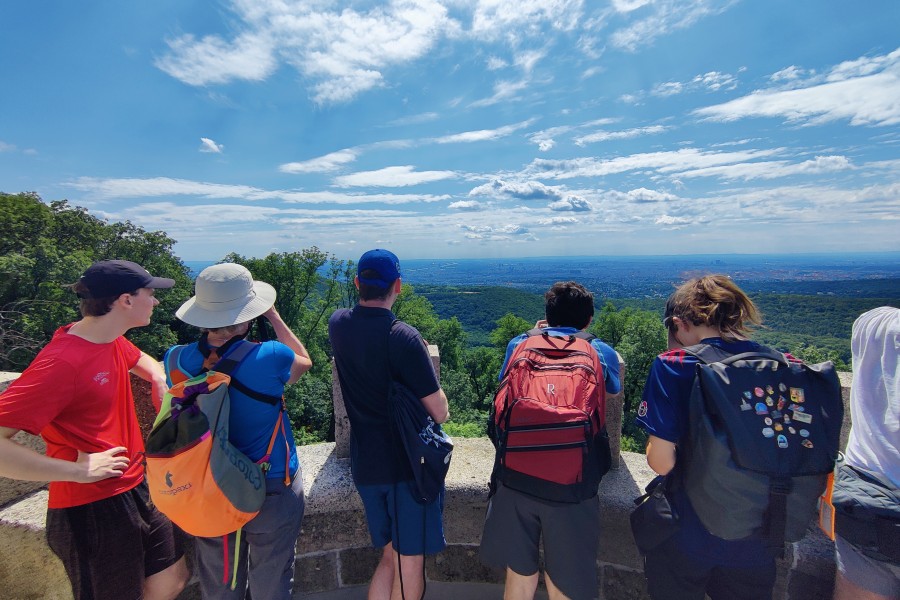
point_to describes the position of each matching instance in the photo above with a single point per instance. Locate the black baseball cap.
(109, 278)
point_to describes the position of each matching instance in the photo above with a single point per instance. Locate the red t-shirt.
(77, 396)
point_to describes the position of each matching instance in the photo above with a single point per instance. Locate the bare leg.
(553, 591)
(413, 582)
(844, 589)
(519, 587)
(383, 580)
(168, 583)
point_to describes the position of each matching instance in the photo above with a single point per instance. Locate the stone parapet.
(334, 552)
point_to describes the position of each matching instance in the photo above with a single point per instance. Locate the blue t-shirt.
(663, 413)
(608, 357)
(266, 369)
(366, 360)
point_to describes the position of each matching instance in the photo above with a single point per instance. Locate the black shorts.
(110, 546)
(515, 524)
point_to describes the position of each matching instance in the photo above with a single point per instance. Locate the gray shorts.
(879, 577)
(515, 524)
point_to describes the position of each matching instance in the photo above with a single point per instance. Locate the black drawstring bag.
(654, 520)
(425, 444)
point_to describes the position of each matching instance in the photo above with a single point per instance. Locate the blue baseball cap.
(384, 262)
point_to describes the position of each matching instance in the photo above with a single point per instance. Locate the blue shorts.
(393, 515)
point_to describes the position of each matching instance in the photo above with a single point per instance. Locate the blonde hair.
(715, 301)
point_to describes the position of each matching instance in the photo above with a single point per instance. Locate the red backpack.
(548, 419)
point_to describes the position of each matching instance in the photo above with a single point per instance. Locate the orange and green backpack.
(196, 476)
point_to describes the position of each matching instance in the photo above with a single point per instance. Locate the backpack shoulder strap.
(175, 374)
(586, 335)
(228, 364)
(707, 353)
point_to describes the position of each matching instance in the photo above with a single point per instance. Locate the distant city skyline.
(463, 128)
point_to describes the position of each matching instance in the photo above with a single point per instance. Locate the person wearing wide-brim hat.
(226, 302)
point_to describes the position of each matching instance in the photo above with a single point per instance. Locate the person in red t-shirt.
(76, 395)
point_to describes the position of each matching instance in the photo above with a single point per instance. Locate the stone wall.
(333, 548)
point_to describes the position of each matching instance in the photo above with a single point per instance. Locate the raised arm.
(302, 361)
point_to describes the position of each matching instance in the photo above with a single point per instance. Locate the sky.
(462, 128)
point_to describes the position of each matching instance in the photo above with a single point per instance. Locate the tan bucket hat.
(226, 295)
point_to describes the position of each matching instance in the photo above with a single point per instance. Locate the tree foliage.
(45, 248)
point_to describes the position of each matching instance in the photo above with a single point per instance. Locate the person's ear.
(126, 299)
(398, 286)
(356, 282)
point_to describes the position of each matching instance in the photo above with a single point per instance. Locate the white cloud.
(328, 162)
(212, 60)
(664, 162)
(641, 195)
(666, 16)
(4, 147)
(465, 205)
(207, 145)
(863, 91)
(493, 18)
(791, 73)
(114, 189)
(604, 136)
(483, 134)
(559, 221)
(772, 169)
(571, 203)
(343, 51)
(670, 220)
(528, 190)
(399, 176)
(495, 63)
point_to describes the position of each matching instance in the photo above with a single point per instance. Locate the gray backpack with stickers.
(763, 437)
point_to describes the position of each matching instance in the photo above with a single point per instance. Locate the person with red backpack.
(260, 555)
(547, 424)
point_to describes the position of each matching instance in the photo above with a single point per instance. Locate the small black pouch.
(654, 520)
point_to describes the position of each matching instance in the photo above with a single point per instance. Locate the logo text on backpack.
(551, 389)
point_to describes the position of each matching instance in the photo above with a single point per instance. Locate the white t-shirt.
(874, 442)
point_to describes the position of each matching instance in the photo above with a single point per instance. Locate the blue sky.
(463, 128)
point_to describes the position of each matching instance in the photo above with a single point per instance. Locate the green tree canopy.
(45, 248)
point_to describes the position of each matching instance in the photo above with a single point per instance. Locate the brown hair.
(94, 307)
(715, 301)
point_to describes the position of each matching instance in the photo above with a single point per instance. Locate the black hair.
(568, 304)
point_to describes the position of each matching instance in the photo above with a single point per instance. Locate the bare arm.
(302, 362)
(19, 462)
(149, 369)
(660, 455)
(437, 406)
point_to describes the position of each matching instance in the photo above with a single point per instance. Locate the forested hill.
(791, 320)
